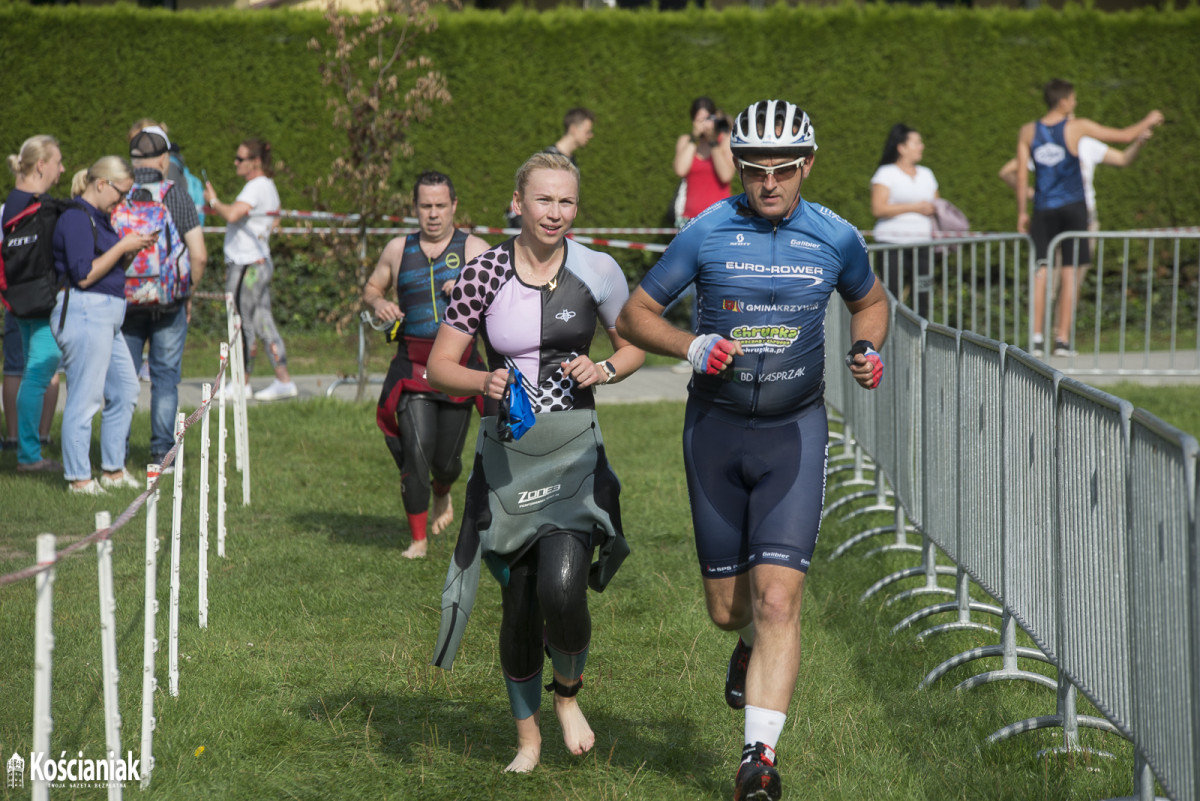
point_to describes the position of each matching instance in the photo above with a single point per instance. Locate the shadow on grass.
(421, 728)
(343, 528)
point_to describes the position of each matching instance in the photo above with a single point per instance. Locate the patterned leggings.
(250, 285)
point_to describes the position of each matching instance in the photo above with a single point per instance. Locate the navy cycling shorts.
(756, 488)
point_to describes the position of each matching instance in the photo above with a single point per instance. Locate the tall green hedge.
(966, 79)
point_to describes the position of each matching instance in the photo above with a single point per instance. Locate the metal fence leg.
(962, 604)
(900, 527)
(901, 543)
(884, 500)
(836, 419)
(1007, 649)
(857, 463)
(1067, 718)
(929, 568)
(846, 438)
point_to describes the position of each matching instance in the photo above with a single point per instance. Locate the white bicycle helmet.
(755, 129)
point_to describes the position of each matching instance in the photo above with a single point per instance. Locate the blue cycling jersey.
(765, 285)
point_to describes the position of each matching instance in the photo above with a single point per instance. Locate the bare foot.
(529, 745)
(443, 513)
(577, 734)
(526, 759)
(416, 550)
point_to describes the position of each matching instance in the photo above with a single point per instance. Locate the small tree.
(380, 87)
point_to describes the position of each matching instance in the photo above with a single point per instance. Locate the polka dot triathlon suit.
(538, 328)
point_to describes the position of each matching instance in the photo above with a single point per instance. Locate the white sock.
(747, 634)
(763, 726)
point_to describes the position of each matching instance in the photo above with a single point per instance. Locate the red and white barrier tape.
(297, 214)
(628, 231)
(479, 229)
(618, 243)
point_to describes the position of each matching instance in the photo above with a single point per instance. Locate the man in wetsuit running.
(765, 264)
(424, 429)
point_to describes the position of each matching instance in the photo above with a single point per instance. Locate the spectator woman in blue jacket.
(86, 321)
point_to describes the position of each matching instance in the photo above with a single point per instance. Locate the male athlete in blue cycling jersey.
(764, 264)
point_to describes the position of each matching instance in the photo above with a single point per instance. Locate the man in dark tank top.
(424, 429)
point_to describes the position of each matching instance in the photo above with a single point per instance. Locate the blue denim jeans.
(41, 361)
(100, 375)
(166, 332)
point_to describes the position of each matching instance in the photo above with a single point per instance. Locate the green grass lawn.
(312, 680)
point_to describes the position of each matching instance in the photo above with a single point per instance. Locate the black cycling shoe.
(735, 676)
(757, 779)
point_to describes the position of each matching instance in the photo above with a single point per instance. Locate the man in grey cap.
(164, 326)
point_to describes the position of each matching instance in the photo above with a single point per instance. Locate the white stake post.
(236, 373)
(176, 535)
(245, 440)
(222, 457)
(206, 396)
(241, 426)
(108, 653)
(43, 650)
(149, 642)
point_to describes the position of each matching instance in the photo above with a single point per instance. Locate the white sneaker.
(91, 488)
(126, 479)
(277, 391)
(144, 372)
(1039, 348)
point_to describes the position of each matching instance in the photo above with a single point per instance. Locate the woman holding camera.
(703, 160)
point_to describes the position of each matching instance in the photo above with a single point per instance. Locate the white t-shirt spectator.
(902, 188)
(1091, 152)
(246, 241)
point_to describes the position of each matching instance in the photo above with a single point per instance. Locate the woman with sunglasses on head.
(86, 322)
(902, 195)
(538, 507)
(248, 264)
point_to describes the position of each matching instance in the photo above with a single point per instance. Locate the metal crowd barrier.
(1071, 509)
(1139, 316)
(978, 283)
(1153, 335)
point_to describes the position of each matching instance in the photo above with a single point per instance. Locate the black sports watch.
(610, 372)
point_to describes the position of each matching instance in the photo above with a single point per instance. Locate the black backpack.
(28, 280)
